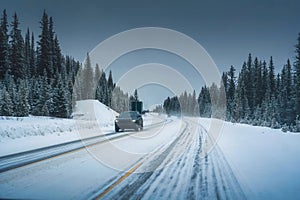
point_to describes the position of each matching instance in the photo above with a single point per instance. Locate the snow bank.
(266, 161)
(90, 118)
(93, 110)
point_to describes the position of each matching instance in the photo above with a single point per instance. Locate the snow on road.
(179, 172)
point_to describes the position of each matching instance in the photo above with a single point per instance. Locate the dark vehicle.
(129, 120)
(136, 106)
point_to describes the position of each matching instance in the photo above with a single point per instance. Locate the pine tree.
(183, 99)
(110, 88)
(16, 55)
(7, 104)
(36, 104)
(4, 46)
(97, 74)
(271, 78)
(27, 52)
(120, 101)
(101, 91)
(286, 108)
(57, 57)
(135, 95)
(32, 59)
(12, 91)
(44, 52)
(297, 78)
(23, 108)
(248, 81)
(231, 92)
(241, 100)
(257, 83)
(88, 77)
(204, 102)
(214, 95)
(78, 83)
(60, 101)
(194, 105)
(52, 59)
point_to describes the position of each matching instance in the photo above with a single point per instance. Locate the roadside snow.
(18, 134)
(266, 161)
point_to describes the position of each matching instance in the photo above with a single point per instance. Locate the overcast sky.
(228, 30)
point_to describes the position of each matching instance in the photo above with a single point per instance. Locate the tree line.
(35, 78)
(256, 95)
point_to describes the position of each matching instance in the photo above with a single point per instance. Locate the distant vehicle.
(145, 111)
(136, 106)
(129, 120)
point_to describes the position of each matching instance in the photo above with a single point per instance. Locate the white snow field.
(161, 162)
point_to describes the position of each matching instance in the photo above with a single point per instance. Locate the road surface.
(161, 162)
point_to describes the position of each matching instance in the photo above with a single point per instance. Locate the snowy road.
(179, 172)
(162, 162)
(16, 160)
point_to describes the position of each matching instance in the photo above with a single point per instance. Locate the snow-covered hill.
(93, 110)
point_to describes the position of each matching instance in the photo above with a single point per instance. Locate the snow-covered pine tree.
(60, 102)
(195, 105)
(88, 77)
(7, 103)
(97, 75)
(78, 84)
(23, 105)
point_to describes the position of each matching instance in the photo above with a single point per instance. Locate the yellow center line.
(129, 172)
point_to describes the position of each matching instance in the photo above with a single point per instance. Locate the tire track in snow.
(130, 187)
(226, 184)
(190, 177)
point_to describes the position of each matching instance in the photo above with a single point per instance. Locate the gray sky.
(228, 30)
